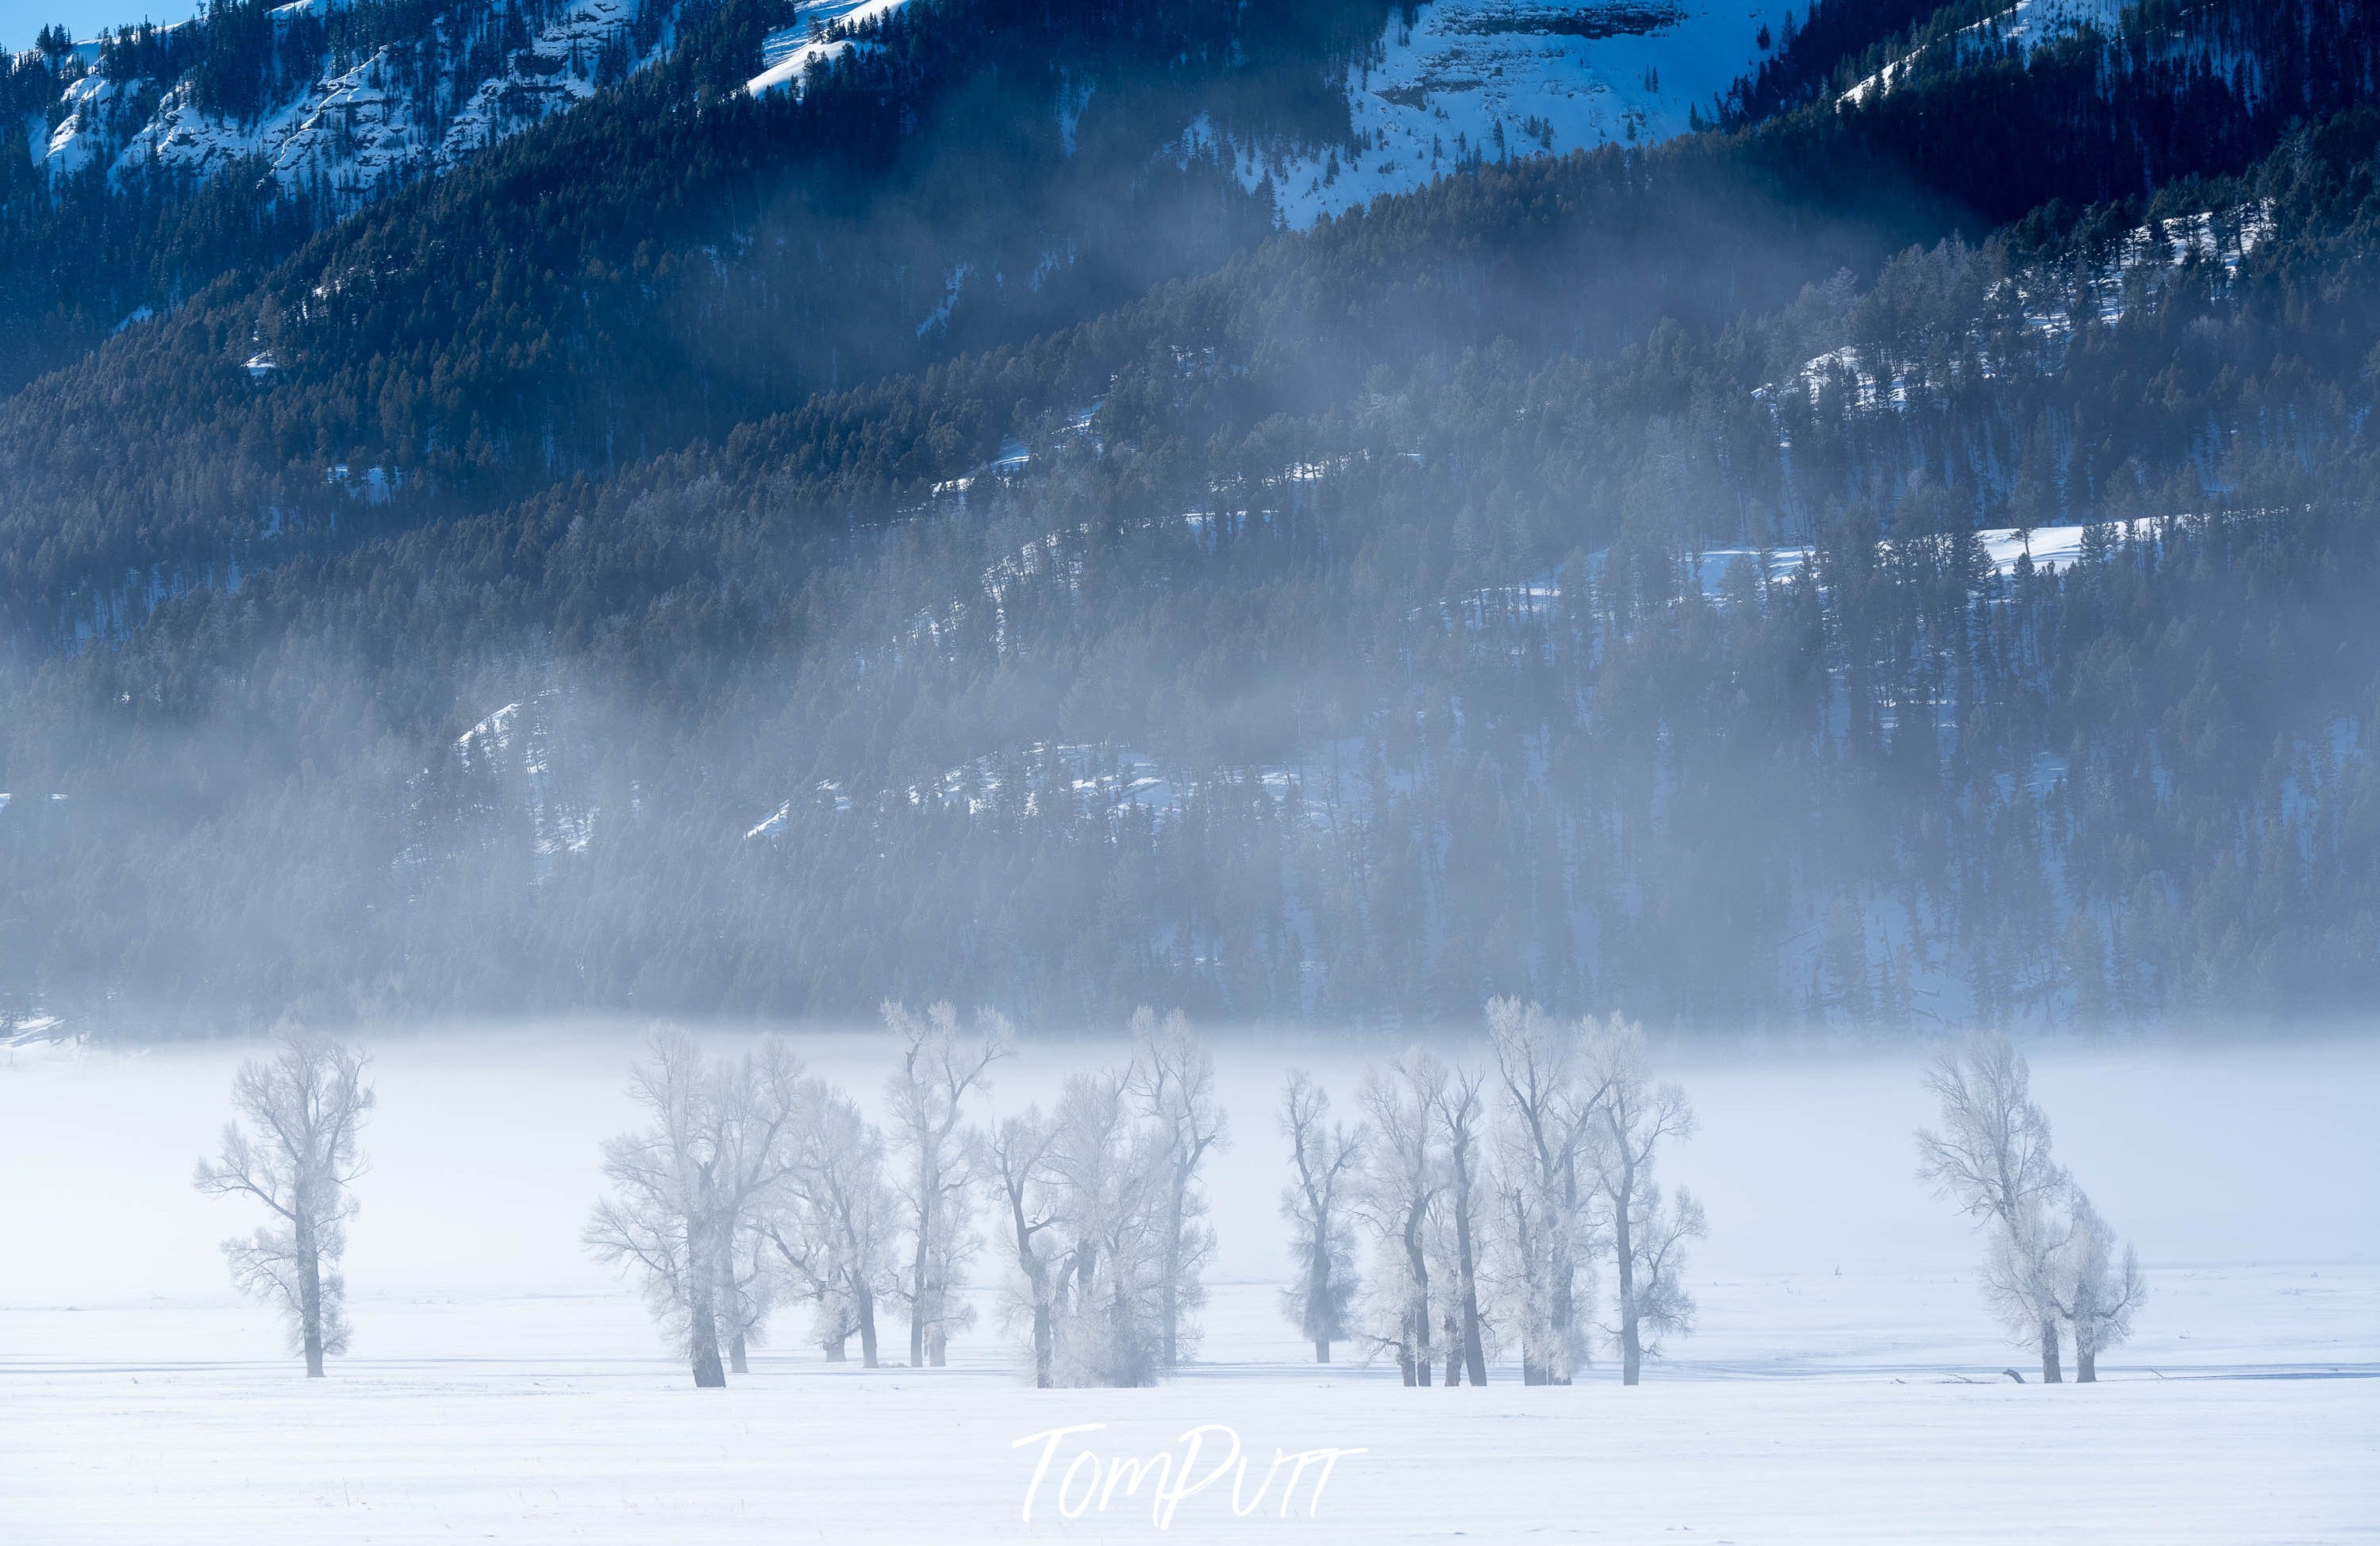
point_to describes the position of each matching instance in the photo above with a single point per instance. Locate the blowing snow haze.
(1853, 516)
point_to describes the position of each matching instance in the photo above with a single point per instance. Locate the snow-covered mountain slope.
(820, 33)
(1484, 78)
(411, 106)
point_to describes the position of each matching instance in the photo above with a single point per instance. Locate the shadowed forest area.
(1897, 559)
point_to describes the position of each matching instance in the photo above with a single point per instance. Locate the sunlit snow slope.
(1493, 78)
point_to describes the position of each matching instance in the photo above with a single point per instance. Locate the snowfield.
(818, 34)
(1841, 1386)
(1451, 80)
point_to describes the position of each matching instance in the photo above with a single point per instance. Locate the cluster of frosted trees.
(2052, 1262)
(756, 1185)
(1487, 1199)
(1101, 1213)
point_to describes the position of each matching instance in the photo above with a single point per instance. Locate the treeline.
(670, 260)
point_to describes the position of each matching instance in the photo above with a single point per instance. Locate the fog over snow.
(500, 1379)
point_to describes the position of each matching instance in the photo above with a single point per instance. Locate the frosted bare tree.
(2022, 1258)
(747, 1294)
(305, 1102)
(1403, 1182)
(1173, 1074)
(833, 1226)
(1110, 1176)
(939, 1068)
(1318, 1202)
(689, 1192)
(1991, 1158)
(1014, 1156)
(2097, 1291)
(1550, 1093)
(1461, 1120)
(1633, 1117)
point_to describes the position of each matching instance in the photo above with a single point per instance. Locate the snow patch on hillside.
(507, 778)
(93, 105)
(820, 33)
(1484, 79)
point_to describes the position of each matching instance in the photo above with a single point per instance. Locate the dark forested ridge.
(669, 258)
(1611, 579)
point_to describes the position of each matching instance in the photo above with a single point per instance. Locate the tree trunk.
(703, 1331)
(937, 1348)
(310, 1296)
(732, 1301)
(835, 1352)
(866, 1303)
(1129, 1371)
(2086, 1364)
(1453, 1355)
(1533, 1266)
(702, 1286)
(1418, 1262)
(1475, 1352)
(1043, 1375)
(1623, 1255)
(917, 1292)
(1317, 1297)
(2049, 1371)
(1560, 1314)
(1170, 1307)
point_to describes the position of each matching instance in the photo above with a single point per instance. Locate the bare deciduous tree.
(1110, 1181)
(2097, 1291)
(835, 1221)
(305, 1102)
(1551, 1095)
(691, 1189)
(1324, 1156)
(1992, 1158)
(1462, 1119)
(1016, 1156)
(1174, 1074)
(1633, 1117)
(926, 1099)
(1402, 1185)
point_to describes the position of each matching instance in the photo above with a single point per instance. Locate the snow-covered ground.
(502, 1386)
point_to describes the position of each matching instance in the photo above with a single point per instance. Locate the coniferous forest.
(1902, 555)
